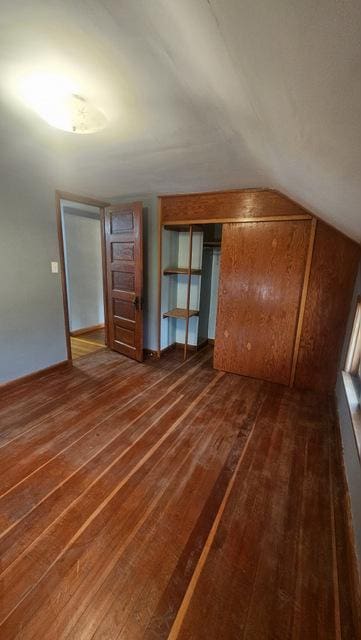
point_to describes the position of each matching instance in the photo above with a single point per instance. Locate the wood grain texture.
(123, 232)
(71, 197)
(88, 342)
(261, 278)
(180, 313)
(169, 500)
(85, 330)
(228, 204)
(95, 335)
(33, 376)
(59, 225)
(333, 272)
(303, 299)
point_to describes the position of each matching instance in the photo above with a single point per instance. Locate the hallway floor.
(167, 500)
(86, 343)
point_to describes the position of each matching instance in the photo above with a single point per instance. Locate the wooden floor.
(169, 500)
(84, 344)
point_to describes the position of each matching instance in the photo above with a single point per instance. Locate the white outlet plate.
(54, 267)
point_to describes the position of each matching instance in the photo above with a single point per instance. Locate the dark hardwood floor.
(169, 500)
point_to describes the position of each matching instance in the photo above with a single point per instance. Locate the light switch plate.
(54, 267)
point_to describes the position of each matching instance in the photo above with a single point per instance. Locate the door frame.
(72, 197)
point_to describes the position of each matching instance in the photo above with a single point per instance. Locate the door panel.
(260, 285)
(124, 269)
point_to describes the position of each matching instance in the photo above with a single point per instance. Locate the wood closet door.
(124, 271)
(260, 285)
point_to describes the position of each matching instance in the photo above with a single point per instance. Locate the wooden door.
(124, 274)
(260, 285)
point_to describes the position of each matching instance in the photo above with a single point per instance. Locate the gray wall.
(32, 333)
(83, 263)
(351, 459)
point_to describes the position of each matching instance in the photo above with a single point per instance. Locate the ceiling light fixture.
(57, 101)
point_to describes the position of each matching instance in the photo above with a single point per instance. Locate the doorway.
(81, 239)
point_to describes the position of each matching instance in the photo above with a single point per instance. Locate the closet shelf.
(212, 243)
(181, 313)
(181, 270)
(182, 227)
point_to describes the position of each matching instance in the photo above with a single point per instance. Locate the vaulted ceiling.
(200, 95)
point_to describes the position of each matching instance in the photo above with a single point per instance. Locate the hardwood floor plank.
(185, 495)
(25, 416)
(84, 345)
(66, 529)
(38, 390)
(53, 490)
(289, 508)
(203, 506)
(54, 435)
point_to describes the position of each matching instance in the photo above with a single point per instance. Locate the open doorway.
(81, 229)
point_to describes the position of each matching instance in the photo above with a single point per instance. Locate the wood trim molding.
(160, 274)
(216, 193)
(72, 197)
(180, 345)
(104, 275)
(171, 347)
(303, 216)
(64, 195)
(63, 273)
(301, 312)
(85, 330)
(4, 386)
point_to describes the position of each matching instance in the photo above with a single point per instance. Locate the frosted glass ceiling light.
(57, 102)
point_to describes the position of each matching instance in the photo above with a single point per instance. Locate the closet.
(262, 277)
(189, 285)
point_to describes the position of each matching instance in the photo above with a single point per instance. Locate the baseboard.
(180, 345)
(170, 347)
(190, 347)
(4, 386)
(79, 332)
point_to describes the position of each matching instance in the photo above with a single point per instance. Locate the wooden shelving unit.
(170, 271)
(182, 227)
(186, 313)
(211, 239)
(181, 313)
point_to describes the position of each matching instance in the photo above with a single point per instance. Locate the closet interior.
(189, 285)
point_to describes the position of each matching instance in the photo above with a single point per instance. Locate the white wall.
(83, 263)
(351, 459)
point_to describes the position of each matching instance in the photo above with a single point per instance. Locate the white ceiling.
(200, 95)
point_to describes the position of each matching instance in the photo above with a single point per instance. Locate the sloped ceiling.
(200, 95)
